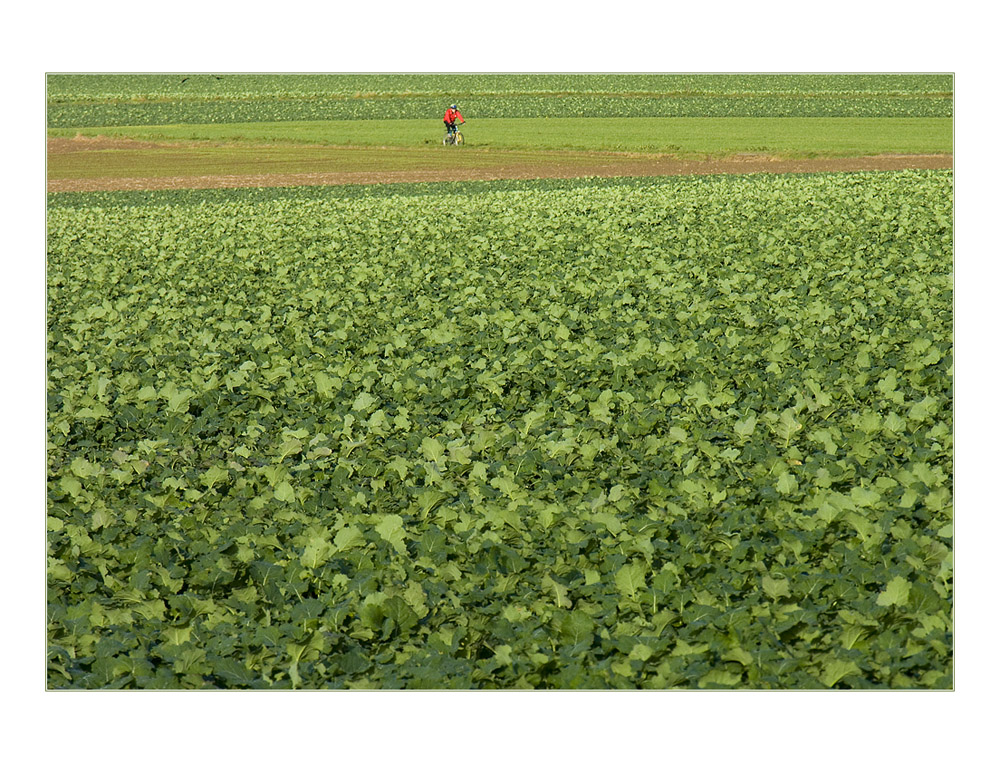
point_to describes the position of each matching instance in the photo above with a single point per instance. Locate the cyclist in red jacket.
(450, 115)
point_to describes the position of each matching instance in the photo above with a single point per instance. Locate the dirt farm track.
(117, 165)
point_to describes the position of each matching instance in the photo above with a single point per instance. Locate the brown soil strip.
(495, 166)
(60, 146)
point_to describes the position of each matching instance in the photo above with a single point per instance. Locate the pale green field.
(791, 137)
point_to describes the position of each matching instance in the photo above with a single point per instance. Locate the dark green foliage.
(662, 434)
(106, 100)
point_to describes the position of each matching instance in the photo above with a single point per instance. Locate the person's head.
(454, 106)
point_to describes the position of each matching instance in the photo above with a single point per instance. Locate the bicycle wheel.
(459, 138)
(447, 139)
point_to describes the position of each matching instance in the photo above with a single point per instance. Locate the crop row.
(482, 107)
(123, 87)
(676, 434)
(99, 100)
(453, 190)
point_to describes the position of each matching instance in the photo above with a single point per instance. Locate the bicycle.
(454, 139)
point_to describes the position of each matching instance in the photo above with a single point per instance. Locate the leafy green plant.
(167, 99)
(692, 433)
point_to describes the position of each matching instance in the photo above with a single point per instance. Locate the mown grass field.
(797, 137)
(395, 146)
(280, 159)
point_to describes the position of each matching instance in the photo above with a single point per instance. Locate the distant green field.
(684, 137)
(163, 99)
(145, 87)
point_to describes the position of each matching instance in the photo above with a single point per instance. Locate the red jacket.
(451, 115)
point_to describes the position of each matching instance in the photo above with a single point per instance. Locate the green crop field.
(662, 433)
(89, 100)
(78, 88)
(688, 432)
(278, 124)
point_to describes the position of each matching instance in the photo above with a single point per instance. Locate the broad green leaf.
(378, 421)
(284, 492)
(923, 472)
(516, 613)
(505, 484)
(325, 384)
(739, 655)
(631, 579)
(432, 450)
(787, 483)
(683, 648)
(558, 592)
(416, 598)
(787, 425)
(641, 652)
(574, 626)
(176, 635)
(85, 469)
(851, 635)
(70, 485)
(837, 669)
(290, 447)
(623, 668)
(459, 453)
(400, 465)
(101, 517)
(364, 401)
(720, 677)
(428, 499)
(179, 400)
(678, 433)
(531, 419)
(390, 528)
(825, 438)
(923, 409)
(775, 588)
(348, 537)
(897, 592)
(58, 571)
(870, 422)
(888, 383)
(745, 427)
(865, 497)
(938, 500)
(317, 551)
(233, 672)
(213, 475)
(894, 423)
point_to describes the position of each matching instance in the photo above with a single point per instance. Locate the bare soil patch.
(494, 166)
(62, 146)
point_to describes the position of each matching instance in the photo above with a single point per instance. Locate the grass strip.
(684, 137)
